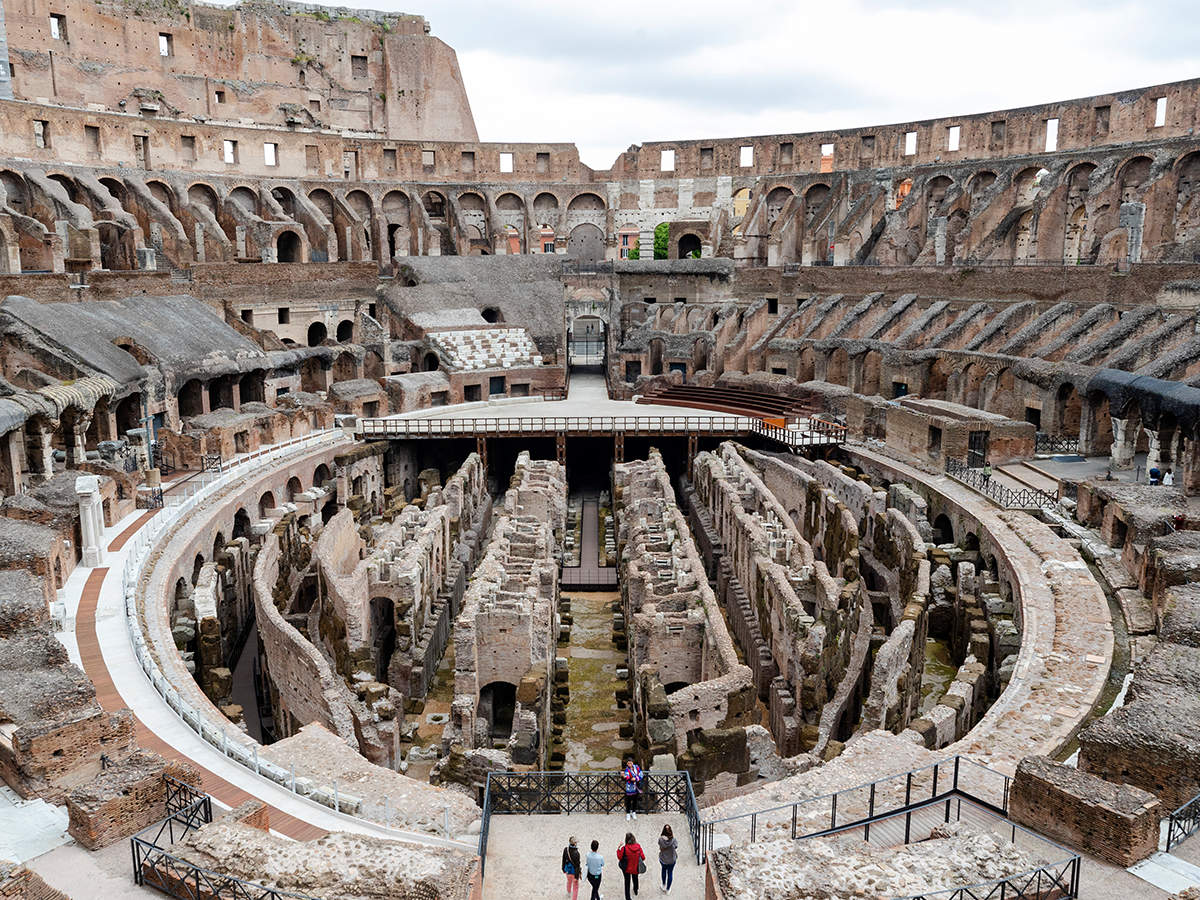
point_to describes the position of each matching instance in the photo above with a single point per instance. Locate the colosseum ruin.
(371, 494)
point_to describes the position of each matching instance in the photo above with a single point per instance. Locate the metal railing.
(1002, 494)
(816, 432)
(154, 866)
(551, 793)
(906, 808)
(864, 804)
(1183, 823)
(1049, 443)
(553, 425)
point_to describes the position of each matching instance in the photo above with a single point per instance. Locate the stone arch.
(129, 413)
(871, 365)
(740, 201)
(935, 193)
(313, 375)
(586, 243)
(509, 202)
(1187, 198)
(903, 189)
(317, 333)
(980, 183)
(294, 489)
(322, 200)
(197, 565)
(345, 331)
(497, 706)
(190, 398)
(288, 247)
(1024, 237)
(938, 382)
(117, 188)
(1027, 182)
(430, 362)
(203, 194)
(163, 193)
(286, 200)
(972, 384)
(837, 367)
(1097, 438)
(545, 210)
(689, 246)
(373, 367)
(344, 368)
(776, 200)
(246, 199)
(655, 350)
(360, 202)
(1133, 178)
(265, 502)
(1067, 411)
(586, 201)
(943, 530)
(806, 365)
(241, 524)
(321, 474)
(435, 204)
(218, 545)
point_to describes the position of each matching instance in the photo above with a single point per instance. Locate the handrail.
(154, 866)
(818, 432)
(1183, 822)
(567, 792)
(990, 487)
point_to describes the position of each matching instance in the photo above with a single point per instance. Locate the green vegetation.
(636, 252)
(661, 240)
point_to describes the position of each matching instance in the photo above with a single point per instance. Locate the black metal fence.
(156, 867)
(905, 808)
(1050, 443)
(986, 484)
(1183, 823)
(551, 793)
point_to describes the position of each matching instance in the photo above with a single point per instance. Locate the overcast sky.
(607, 75)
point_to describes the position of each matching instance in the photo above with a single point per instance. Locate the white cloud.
(604, 76)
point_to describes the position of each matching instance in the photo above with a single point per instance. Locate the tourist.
(632, 860)
(1155, 475)
(633, 775)
(571, 868)
(667, 845)
(1168, 478)
(595, 866)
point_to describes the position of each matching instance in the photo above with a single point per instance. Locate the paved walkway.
(1066, 633)
(524, 857)
(586, 396)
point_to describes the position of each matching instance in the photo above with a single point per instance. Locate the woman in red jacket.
(632, 860)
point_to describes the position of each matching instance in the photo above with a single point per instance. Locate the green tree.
(634, 251)
(661, 240)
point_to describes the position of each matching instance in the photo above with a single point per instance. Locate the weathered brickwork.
(1115, 822)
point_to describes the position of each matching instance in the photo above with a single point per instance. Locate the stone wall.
(1115, 822)
(692, 697)
(19, 883)
(124, 798)
(506, 633)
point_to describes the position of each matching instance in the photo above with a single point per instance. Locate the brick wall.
(123, 799)
(22, 884)
(1115, 822)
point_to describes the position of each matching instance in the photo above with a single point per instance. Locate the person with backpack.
(667, 847)
(632, 775)
(632, 860)
(595, 869)
(571, 867)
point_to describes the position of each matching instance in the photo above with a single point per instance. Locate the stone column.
(1125, 435)
(76, 440)
(91, 519)
(39, 453)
